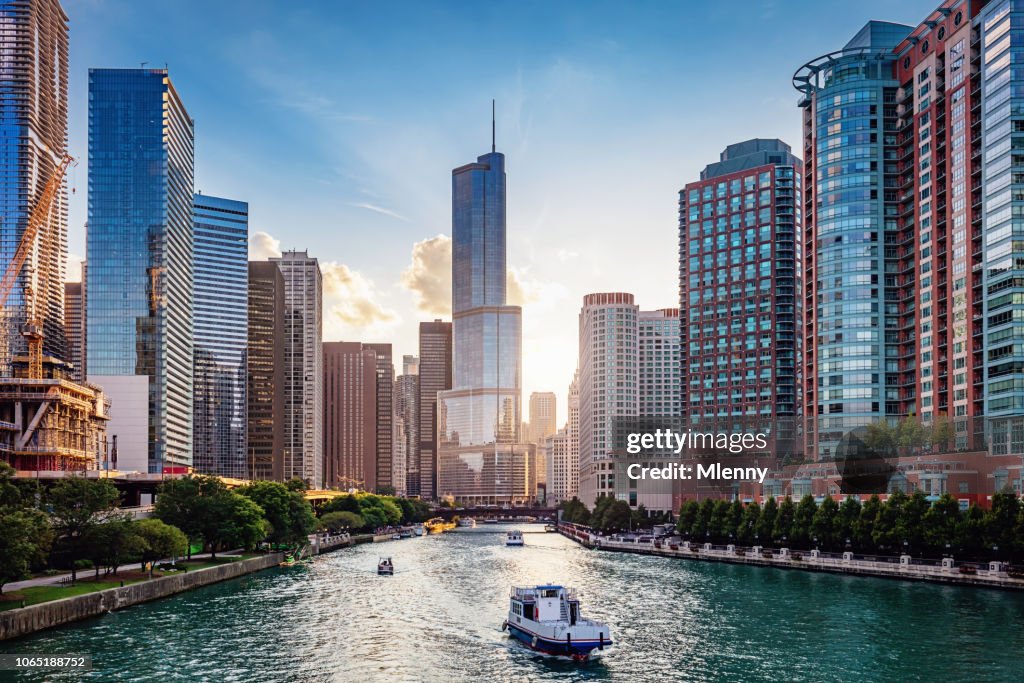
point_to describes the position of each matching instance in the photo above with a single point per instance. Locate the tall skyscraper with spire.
(480, 457)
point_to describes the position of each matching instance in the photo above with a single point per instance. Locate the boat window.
(551, 594)
(528, 611)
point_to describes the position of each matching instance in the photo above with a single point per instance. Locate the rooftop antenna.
(142, 65)
(492, 127)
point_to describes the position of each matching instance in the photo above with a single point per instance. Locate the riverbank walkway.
(947, 570)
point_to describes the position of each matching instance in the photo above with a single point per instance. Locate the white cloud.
(73, 273)
(429, 276)
(351, 307)
(380, 210)
(262, 246)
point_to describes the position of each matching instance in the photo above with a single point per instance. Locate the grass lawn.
(38, 594)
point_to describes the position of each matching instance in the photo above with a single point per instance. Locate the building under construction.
(52, 423)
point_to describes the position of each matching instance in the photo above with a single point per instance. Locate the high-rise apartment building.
(543, 416)
(74, 327)
(405, 468)
(303, 367)
(739, 284)
(913, 279)
(265, 362)
(140, 276)
(607, 378)
(660, 385)
(435, 375)
(385, 416)
(34, 120)
(572, 428)
(480, 457)
(220, 323)
(350, 416)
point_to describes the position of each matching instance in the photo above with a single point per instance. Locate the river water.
(439, 618)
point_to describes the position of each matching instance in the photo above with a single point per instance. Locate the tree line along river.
(439, 618)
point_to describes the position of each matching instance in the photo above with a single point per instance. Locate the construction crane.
(32, 330)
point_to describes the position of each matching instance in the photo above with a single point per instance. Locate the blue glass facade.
(854, 335)
(33, 139)
(480, 458)
(220, 253)
(140, 275)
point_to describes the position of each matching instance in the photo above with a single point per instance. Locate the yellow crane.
(32, 330)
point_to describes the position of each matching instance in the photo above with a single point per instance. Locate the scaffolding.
(51, 423)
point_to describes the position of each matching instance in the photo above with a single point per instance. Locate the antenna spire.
(493, 149)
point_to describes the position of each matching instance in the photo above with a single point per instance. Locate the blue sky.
(340, 122)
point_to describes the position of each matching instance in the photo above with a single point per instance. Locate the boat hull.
(577, 649)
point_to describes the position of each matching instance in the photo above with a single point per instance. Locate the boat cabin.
(546, 603)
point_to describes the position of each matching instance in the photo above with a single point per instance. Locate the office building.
(139, 308)
(660, 384)
(265, 362)
(543, 416)
(385, 417)
(74, 328)
(220, 326)
(405, 468)
(562, 468)
(303, 367)
(350, 416)
(481, 459)
(34, 120)
(739, 282)
(435, 375)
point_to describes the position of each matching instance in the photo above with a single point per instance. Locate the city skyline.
(558, 91)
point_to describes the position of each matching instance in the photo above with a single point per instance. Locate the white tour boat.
(514, 537)
(547, 618)
(385, 567)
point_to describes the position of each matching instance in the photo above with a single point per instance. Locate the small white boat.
(396, 537)
(547, 618)
(468, 523)
(385, 567)
(419, 530)
(514, 538)
(491, 520)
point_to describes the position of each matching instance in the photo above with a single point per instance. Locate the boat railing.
(530, 592)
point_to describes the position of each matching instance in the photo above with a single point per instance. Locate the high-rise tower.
(480, 456)
(140, 276)
(34, 120)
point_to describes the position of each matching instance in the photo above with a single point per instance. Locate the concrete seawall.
(20, 622)
(806, 561)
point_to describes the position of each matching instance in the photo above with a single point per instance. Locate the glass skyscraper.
(34, 127)
(480, 458)
(221, 253)
(140, 275)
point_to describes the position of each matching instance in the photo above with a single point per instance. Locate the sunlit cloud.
(429, 276)
(263, 246)
(351, 306)
(73, 273)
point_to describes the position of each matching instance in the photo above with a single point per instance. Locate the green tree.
(25, 538)
(25, 535)
(699, 530)
(864, 531)
(296, 484)
(617, 516)
(971, 532)
(846, 521)
(335, 521)
(688, 513)
(823, 523)
(766, 525)
(288, 512)
(782, 532)
(717, 524)
(158, 541)
(227, 519)
(112, 543)
(800, 534)
(910, 524)
(77, 506)
(733, 521)
(575, 512)
(886, 532)
(748, 533)
(1001, 523)
(941, 524)
(178, 502)
(345, 503)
